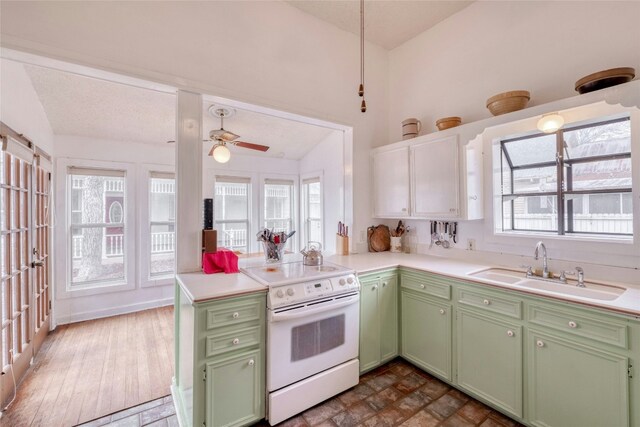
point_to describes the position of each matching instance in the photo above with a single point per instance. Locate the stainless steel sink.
(594, 291)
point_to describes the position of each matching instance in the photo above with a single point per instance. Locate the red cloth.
(217, 262)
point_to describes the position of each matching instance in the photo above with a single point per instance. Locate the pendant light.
(363, 106)
(550, 123)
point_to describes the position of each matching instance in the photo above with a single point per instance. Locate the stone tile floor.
(396, 394)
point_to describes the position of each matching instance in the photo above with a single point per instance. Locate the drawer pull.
(573, 324)
(422, 286)
(384, 284)
(442, 311)
(236, 341)
(236, 315)
(540, 343)
(486, 302)
(374, 287)
(252, 362)
(510, 333)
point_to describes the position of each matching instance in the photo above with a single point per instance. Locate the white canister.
(396, 244)
(411, 128)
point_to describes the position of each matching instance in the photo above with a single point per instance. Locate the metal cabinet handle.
(442, 311)
(236, 315)
(474, 197)
(252, 362)
(486, 302)
(510, 333)
(573, 324)
(540, 343)
(422, 286)
(236, 341)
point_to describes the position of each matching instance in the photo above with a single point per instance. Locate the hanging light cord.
(363, 106)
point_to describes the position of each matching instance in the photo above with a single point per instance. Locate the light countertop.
(201, 287)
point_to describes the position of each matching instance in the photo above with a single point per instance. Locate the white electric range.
(313, 326)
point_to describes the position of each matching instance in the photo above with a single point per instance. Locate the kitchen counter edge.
(200, 287)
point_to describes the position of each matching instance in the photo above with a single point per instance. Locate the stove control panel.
(300, 292)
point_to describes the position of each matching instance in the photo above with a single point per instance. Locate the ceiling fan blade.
(250, 146)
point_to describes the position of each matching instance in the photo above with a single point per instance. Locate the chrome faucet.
(545, 266)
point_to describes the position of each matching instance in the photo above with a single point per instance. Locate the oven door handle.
(280, 317)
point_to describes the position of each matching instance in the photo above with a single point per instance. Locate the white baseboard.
(113, 311)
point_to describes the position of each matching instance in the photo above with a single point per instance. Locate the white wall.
(266, 53)
(328, 158)
(492, 46)
(81, 305)
(20, 107)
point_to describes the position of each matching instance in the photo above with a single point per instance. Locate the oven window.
(316, 338)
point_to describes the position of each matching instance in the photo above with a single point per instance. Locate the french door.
(24, 256)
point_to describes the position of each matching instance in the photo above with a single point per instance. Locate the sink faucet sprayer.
(545, 266)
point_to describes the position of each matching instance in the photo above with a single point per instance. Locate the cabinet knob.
(252, 362)
(236, 341)
(236, 315)
(422, 286)
(486, 302)
(384, 284)
(374, 287)
(442, 311)
(573, 324)
(510, 333)
(540, 343)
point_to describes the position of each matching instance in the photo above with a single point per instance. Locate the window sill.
(72, 291)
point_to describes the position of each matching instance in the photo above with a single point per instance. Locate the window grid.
(231, 209)
(312, 209)
(564, 217)
(161, 225)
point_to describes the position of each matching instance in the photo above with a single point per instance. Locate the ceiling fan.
(222, 137)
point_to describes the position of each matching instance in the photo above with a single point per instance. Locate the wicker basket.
(448, 122)
(507, 102)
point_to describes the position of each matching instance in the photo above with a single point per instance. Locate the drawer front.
(426, 285)
(228, 314)
(231, 341)
(491, 303)
(594, 328)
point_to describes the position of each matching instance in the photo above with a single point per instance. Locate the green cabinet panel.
(426, 333)
(233, 390)
(378, 319)
(489, 356)
(369, 325)
(388, 311)
(573, 385)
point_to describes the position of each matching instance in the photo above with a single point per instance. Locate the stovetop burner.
(293, 272)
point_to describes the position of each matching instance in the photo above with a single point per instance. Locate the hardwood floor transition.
(90, 369)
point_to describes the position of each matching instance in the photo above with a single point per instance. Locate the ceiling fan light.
(550, 123)
(221, 153)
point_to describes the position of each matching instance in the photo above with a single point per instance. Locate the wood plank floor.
(90, 369)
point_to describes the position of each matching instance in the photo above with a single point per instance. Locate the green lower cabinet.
(233, 390)
(378, 320)
(489, 360)
(426, 333)
(574, 385)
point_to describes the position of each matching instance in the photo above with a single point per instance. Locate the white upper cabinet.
(390, 174)
(435, 178)
(428, 177)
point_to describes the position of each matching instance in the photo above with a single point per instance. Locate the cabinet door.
(388, 312)
(390, 173)
(434, 179)
(426, 334)
(234, 390)
(572, 385)
(369, 325)
(490, 360)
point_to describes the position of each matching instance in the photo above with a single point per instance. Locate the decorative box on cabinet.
(220, 361)
(378, 319)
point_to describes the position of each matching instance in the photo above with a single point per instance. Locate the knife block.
(342, 245)
(209, 241)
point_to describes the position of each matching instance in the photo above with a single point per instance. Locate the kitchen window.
(232, 212)
(312, 209)
(162, 217)
(279, 205)
(97, 227)
(576, 181)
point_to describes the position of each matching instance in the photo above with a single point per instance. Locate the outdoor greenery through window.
(97, 226)
(312, 209)
(574, 181)
(162, 217)
(231, 208)
(278, 206)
